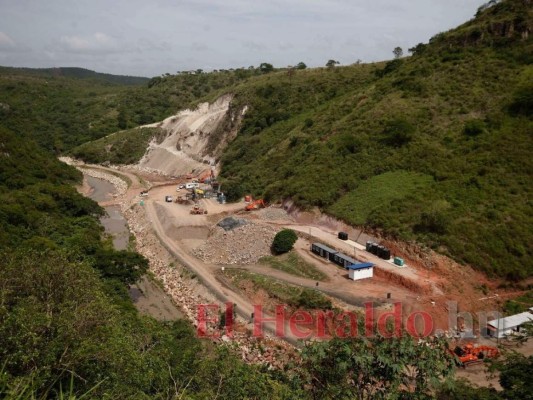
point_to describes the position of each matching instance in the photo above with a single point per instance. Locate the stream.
(147, 297)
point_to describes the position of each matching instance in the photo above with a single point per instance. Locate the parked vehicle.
(168, 199)
(192, 185)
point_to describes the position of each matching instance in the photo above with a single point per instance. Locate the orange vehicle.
(471, 354)
(254, 205)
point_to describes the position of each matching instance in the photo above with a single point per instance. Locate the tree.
(283, 241)
(418, 49)
(376, 367)
(331, 63)
(398, 52)
(515, 375)
(125, 266)
(397, 132)
(301, 65)
(265, 68)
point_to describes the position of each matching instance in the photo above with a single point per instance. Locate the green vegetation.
(343, 369)
(284, 293)
(519, 304)
(78, 73)
(123, 147)
(67, 325)
(378, 193)
(294, 265)
(446, 131)
(444, 135)
(63, 108)
(284, 241)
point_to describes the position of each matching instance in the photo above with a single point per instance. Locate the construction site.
(204, 250)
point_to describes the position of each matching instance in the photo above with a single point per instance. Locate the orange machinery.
(470, 354)
(254, 205)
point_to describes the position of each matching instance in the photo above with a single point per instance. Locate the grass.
(294, 265)
(378, 191)
(519, 304)
(291, 295)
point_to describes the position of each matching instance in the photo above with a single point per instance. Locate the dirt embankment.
(194, 139)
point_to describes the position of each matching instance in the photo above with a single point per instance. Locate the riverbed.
(147, 297)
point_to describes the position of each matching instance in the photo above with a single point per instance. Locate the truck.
(192, 185)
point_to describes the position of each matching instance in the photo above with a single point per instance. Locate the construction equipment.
(256, 204)
(197, 210)
(181, 200)
(470, 354)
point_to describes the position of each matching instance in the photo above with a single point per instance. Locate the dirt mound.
(403, 281)
(273, 214)
(195, 138)
(243, 245)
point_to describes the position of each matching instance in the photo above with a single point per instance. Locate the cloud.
(197, 46)
(96, 43)
(254, 46)
(6, 43)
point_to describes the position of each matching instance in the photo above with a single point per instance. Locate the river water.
(113, 222)
(149, 298)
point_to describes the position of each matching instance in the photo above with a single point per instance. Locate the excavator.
(470, 354)
(256, 204)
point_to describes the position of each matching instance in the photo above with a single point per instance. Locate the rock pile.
(272, 352)
(243, 245)
(273, 214)
(230, 223)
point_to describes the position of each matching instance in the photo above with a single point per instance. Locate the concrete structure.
(361, 271)
(343, 260)
(511, 325)
(323, 251)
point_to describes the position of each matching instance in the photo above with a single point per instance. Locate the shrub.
(397, 133)
(314, 300)
(283, 241)
(474, 127)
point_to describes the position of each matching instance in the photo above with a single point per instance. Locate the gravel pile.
(273, 214)
(243, 245)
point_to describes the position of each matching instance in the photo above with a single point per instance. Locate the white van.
(191, 185)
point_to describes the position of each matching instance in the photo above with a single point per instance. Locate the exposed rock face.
(194, 140)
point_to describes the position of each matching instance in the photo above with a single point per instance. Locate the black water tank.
(343, 236)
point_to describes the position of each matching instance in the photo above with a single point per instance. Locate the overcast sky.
(151, 37)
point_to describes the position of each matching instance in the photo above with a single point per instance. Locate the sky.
(153, 37)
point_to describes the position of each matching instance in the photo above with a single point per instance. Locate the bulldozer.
(256, 204)
(470, 354)
(197, 210)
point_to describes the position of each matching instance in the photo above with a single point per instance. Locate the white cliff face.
(195, 138)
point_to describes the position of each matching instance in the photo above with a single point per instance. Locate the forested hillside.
(434, 147)
(67, 324)
(60, 111)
